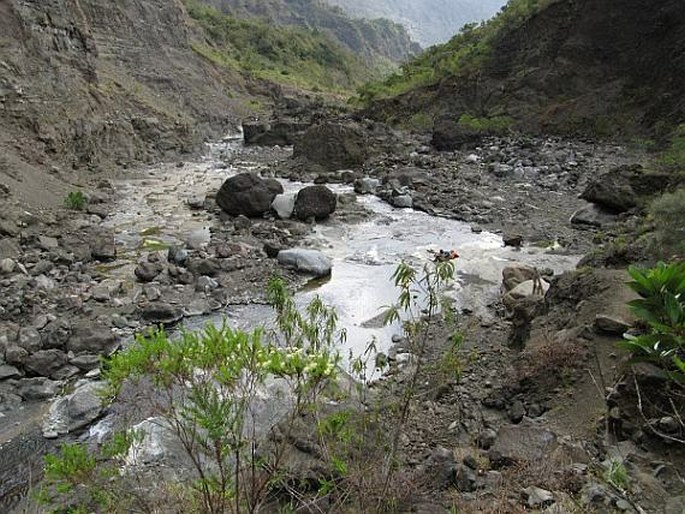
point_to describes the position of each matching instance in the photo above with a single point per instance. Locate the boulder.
(402, 201)
(610, 325)
(516, 274)
(306, 261)
(316, 202)
(45, 362)
(38, 388)
(273, 132)
(366, 185)
(625, 187)
(74, 411)
(284, 205)
(148, 271)
(89, 337)
(520, 444)
(248, 195)
(593, 215)
(7, 266)
(160, 312)
(7, 371)
(102, 248)
(333, 146)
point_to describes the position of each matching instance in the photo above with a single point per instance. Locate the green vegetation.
(76, 200)
(667, 213)
(616, 474)
(287, 55)
(674, 156)
(207, 388)
(661, 309)
(461, 56)
(493, 125)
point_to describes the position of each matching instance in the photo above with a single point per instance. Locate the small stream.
(154, 211)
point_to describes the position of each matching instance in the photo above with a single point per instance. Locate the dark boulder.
(625, 187)
(92, 338)
(333, 146)
(449, 134)
(248, 195)
(316, 202)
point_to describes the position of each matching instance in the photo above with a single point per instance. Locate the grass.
(76, 200)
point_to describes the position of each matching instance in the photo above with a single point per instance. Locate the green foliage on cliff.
(287, 55)
(462, 55)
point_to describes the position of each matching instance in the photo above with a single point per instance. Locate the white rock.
(283, 205)
(308, 261)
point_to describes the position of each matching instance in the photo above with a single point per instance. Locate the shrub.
(661, 309)
(494, 125)
(76, 200)
(668, 213)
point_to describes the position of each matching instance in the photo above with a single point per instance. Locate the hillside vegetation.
(282, 54)
(561, 66)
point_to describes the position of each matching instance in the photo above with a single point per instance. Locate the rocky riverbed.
(154, 246)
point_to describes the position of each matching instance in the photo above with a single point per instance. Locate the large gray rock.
(92, 338)
(74, 411)
(307, 261)
(102, 248)
(316, 202)
(160, 312)
(284, 205)
(38, 388)
(248, 194)
(403, 201)
(520, 444)
(625, 187)
(148, 271)
(7, 371)
(29, 339)
(516, 274)
(333, 146)
(593, 215)
(45, 362)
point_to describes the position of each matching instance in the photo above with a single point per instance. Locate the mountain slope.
(429, 21)
(373, 40)
(570, 66)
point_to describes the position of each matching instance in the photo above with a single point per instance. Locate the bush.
(495, 125)
(76, 200)
(668, 213)
(661, 310)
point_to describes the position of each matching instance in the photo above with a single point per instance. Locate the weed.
(76, 200)
(616, 474)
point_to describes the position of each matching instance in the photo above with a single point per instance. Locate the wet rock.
(160, 312)
(516, 274)
(610, 325)
(45, 362)
(7, 371)
(403, 201)
(535, 497)
(248, 195)
(515, 240)
(316, 202)
(284, 205)
(38, 388)
(148, 271)
(92, 338)
(306, 261)
(521, 443)
(74, 411)
(366, 185)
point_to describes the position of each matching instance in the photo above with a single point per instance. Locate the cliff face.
(577, 66)
(429, 21)
(84, 82)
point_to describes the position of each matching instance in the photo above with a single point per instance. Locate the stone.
(316, 202)
(88, 337)
(195, 203)
(610, 325)
(177, 255)
(7, 371)
(366, 185)
(15, 355)
(38, 388)
(161, 312)
(487, 438)
(516, 412)
(306, 261)
(75, 410)
(536, 497)
(281, 131)
(442, 467)
(205, 283)
(148, 271)
(521, 443)
(402, 201)
(284, 205)
(48, 243)
(102, 248)
(593, 215)
(515, 240)
(44, 283)
(56, 334)
(86, 361)
(45, 362)
(271, 249)
(516, 274)
(29, 339)
(248, 195)
(7, 266)
(208, 267)
(524, 291)
(465, 479)
(333, 145)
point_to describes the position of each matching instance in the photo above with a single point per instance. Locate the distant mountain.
(372, 40)
(428, 21)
